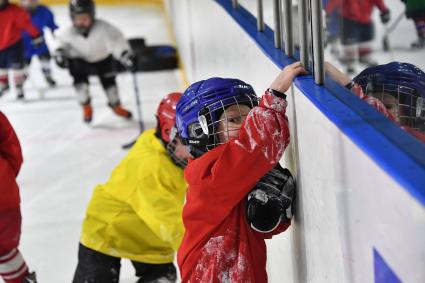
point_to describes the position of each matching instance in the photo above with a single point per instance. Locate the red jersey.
(378, 105)
(219, 245)
(10, 163)
(356, 10)
(13, 21)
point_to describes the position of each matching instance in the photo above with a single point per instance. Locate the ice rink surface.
(64, 158)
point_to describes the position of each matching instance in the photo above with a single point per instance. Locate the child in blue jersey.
(41, 17)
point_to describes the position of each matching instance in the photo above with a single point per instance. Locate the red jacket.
(378, 105)
(218, 245)
(356, 10)
(10, 163)
(13, 21)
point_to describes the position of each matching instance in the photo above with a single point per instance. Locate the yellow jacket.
(137, 214)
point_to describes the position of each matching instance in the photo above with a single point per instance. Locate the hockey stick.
(388, 30)
(139, 111)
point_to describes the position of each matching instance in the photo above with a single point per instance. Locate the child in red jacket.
(357, 28)
(235, 143)
(13, 268)
(13, 21)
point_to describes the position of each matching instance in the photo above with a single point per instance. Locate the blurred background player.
(92, 43)
(13, 21)
(357, 30)
(235, 142)
(137, 213)
(395, 89)
(41, 17)
(13, 268)
(333, 29)
(415, 10)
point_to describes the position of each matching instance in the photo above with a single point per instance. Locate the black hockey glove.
(38, 41)
(385, 16)
(60, 58)
(129, 61)
(270, 202)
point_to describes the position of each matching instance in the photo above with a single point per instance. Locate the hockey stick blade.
(128, 145)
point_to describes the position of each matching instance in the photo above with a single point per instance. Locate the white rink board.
(347, 205)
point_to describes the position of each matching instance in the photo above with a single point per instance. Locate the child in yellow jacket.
(137, 213)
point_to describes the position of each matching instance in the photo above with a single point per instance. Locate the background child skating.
(42, 18)
(92, 43)
(13, 21)
(357, 31)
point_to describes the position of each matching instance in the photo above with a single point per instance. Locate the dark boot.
(30, 278)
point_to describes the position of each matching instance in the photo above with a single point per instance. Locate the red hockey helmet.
(166, 114)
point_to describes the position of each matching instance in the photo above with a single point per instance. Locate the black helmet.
(3, 3)
(82, 7)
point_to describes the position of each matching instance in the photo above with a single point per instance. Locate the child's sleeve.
(25, 23)
(381, 5)
(10, 149)
(51, 20)
(116, 40)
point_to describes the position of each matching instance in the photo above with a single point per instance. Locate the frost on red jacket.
(10, 163)
(356, 10)
(219, 245)
(13, 21)
(378, 105)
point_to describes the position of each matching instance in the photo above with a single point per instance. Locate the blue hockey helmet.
(200, 108)
(403, 81)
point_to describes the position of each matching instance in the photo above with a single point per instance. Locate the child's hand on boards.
(284, 80)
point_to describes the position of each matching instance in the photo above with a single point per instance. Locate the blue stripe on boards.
(395, 151)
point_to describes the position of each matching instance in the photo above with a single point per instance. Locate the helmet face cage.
(171, 149)
(401, 88)
(402, 101)
(214, 115)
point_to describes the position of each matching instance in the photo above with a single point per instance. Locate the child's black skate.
(30, 278)
(20, 93)
(50, 81)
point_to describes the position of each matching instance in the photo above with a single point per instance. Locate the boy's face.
(82, 20)
(231, 120)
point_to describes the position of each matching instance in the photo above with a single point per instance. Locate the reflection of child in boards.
(235, 142)
(13, 268)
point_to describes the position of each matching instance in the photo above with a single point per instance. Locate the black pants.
(95, 267)
(12, 57)
(356, 32)
(80, 70)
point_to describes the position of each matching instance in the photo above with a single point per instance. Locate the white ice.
(64, 158)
